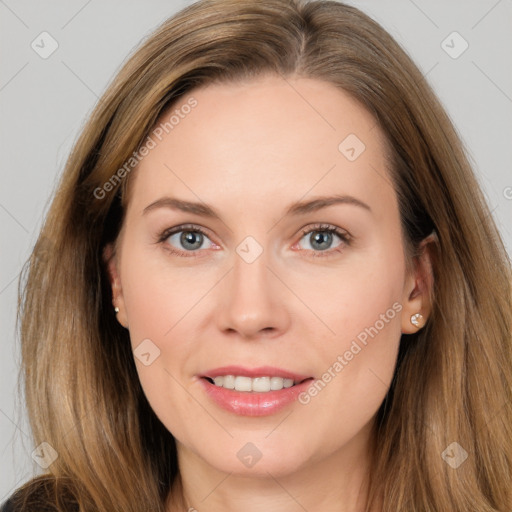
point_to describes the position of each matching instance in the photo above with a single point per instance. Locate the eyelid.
(321, 226)
(166, 233)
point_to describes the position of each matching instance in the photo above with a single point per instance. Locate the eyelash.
(343, 235)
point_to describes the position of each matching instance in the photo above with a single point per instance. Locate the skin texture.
(250, 150)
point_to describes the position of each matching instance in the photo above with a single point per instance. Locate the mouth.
(253, 392)
(262, 384)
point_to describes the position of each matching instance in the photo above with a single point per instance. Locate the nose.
(252, 300)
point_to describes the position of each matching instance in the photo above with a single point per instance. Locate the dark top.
(7, 507)
(39, 496)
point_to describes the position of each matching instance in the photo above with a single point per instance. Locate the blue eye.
(185, 240)
(189, 240)
(320, 239)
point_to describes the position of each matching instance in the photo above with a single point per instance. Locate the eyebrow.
(297, 208)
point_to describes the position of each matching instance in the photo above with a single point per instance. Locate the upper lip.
(260, 371)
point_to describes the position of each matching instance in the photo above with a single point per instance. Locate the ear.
(111, 261)
(419, 286)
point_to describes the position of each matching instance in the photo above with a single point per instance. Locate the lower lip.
(253, 403)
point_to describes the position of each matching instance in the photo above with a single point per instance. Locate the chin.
(257, 459)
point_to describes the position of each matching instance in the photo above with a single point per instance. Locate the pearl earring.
(417, 320)
(116, 309)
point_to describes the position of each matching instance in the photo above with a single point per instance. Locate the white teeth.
(228, 382)
(247, 384)
(287, 383)
(261, 384)
(243, 383)
(219, 381)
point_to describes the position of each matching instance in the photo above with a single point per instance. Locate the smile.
(253, 392)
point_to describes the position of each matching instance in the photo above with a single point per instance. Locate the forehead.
(263, 140)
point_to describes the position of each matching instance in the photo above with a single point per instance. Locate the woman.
(337, 335)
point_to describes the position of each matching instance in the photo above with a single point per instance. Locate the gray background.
(44, 102)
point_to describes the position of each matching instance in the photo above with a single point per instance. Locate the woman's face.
(299, 274)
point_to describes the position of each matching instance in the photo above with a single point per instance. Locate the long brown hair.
(453, 381)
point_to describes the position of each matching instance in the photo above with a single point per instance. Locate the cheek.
(157, 296)
(359, 294)
(161, 303)
(359, 360)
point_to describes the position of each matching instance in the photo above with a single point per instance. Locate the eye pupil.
(191, 237)
(324, 238)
